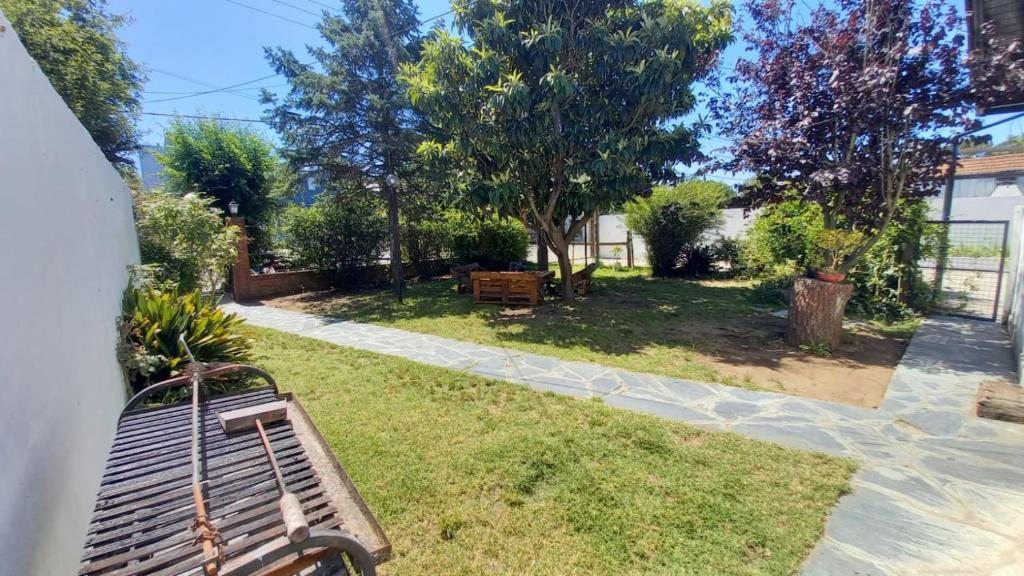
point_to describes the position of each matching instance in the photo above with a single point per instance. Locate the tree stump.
(816, 312)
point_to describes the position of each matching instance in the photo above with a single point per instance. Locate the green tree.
(337, 235)
(673, 220)
(558, 110)
(346, 116)
(227, 163)
(76, 45)
(185, 239)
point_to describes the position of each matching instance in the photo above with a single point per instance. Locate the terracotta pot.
(834, 277)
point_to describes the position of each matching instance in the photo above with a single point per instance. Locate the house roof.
(990, 165)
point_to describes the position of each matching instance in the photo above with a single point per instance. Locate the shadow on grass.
(625, 314)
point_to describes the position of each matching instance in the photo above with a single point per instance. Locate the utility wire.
(271, 14)
(214, 90)
(229, 88)
(195, 117)
(321, 4)
(294, 7)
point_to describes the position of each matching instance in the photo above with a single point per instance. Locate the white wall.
(66, 238)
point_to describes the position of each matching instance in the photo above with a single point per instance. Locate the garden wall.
(1013, 301)
(66, 239)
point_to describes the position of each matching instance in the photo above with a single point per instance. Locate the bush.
(426, 241)
(337, 235)
(185, 239)
(151, 320)
(887, 282)
(493, 242)
(727, 255)
(673, 222)
(782, 237)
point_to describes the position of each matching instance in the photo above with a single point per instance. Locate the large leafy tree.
(557, 110)
(851, 110)
(227, 162)
(76, 45)
(346, 116)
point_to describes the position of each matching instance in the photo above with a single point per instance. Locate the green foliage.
(228, 163)
(152, 319)
(673, 221)
(888, 282)
(185, 238)
(338, 235)
(75, 44)
(834, 246)
(782, 237)
(553, 111)
(493, 242)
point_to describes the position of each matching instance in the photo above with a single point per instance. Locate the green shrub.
(727, 254)
(491, 241)
(782, 238)
(426, 241)
(673, 222)
(336, 235)
(185, 239)
(887, 282)
(151, 320)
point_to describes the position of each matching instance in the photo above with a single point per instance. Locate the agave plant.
(153, 318)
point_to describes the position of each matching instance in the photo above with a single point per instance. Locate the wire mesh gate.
(968, 267)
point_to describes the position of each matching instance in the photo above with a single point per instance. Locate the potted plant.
(833, 248)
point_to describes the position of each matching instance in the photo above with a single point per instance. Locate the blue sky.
(190, 46)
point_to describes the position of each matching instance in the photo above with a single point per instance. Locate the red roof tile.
(990, 165)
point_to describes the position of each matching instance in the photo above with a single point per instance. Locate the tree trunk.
(542, 249)
(397, 271)
(565, 269)
(816, 313)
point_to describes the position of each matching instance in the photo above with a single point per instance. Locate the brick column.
(240, 269)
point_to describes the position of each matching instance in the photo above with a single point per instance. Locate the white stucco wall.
(66, 238)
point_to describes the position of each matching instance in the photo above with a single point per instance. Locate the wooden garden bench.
(581, 279)
(508, 287)
(461, 276)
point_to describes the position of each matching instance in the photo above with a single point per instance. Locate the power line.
(321, 4)
(194, 93)
(303, 10)
(195, 117)
(229, 88)
(271, 14)
(221, 89)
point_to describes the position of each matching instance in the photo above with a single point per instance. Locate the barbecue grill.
(143, 523)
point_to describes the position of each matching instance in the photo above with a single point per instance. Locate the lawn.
(716, 331)
(475, 476)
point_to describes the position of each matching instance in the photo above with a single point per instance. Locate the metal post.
(947, 210)
(1002, 266)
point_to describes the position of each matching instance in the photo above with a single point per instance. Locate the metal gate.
(968, 267)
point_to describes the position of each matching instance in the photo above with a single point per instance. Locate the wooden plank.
(1001, 400)
(241, 419)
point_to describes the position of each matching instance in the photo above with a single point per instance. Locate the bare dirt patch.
(857, 373)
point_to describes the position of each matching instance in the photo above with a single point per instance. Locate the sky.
(190, 46)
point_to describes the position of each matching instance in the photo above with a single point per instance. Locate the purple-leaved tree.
(852, 109)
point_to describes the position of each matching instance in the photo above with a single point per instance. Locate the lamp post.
(233, 208)
(391, 183)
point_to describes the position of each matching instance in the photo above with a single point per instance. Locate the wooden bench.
(461, 276)
(581, 279)
(507, 287)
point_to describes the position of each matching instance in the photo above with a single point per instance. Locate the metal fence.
(968, 268)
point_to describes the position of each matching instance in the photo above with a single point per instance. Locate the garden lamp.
(392, 180)
(233, 208)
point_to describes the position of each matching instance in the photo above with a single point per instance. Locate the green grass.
(629, 320)
(475, 476)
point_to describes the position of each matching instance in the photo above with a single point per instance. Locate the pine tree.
(346, 115)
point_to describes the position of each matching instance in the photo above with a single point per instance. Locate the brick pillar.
(240, 269)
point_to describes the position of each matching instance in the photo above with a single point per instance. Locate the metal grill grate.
(144, 507)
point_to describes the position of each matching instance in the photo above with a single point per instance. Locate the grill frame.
(144, 508)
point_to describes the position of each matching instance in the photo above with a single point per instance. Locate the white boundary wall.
(66, 239)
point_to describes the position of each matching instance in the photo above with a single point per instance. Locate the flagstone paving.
(938, 491)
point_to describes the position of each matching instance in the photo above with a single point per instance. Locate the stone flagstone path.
(939, 492)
